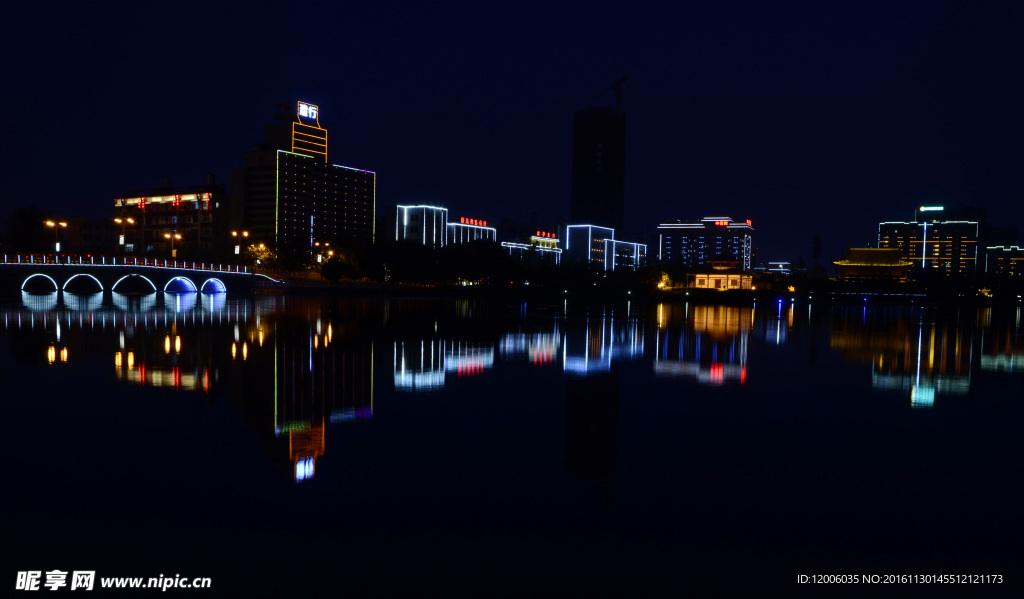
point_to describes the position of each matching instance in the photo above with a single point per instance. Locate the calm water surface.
(374, 447)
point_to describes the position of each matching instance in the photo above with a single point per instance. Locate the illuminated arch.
(143, 277)
(56, 287)
(217, 286)
(81, 274)
(186, 279)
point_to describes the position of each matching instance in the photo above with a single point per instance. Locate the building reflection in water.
(591, 426)
(539, 347)
(319, 370)
(292, 372)
(923, 353)
(709, 344)
(1001, 349)
(602, 338)
(419, 366)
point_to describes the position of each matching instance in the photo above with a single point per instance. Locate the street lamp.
(172, 237)
(124, 222)
(56, 232)
(238, 244)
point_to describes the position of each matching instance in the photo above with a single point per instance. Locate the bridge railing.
(68, 259)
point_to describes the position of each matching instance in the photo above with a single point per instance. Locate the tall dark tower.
(599, 167)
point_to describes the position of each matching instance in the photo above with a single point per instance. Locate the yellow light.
(316, 342)
(117, 359)
(245, 351)
(131, 360)
(63, 354)
(51, 354)
(234, 350)
(261, 338)
(330, 333)
(177, 344)
(167, 344)
(791, 288)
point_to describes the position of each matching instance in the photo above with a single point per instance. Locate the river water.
(382, 446)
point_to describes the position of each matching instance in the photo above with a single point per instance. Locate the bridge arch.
(24, 283)
(131, 276)
(171, 283)
(215, 284)
(81, 274)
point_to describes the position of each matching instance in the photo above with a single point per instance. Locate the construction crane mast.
(617, 88)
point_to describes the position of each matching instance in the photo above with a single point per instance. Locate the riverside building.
(291, 197)
(698, 244)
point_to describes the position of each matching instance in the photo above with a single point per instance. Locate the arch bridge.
(91, 274)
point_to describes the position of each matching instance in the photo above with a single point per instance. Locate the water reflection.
(926, 353)
(602, 338)
(39, 302)
(289, 374)
(83, 302)
(582, 348)
(294, 367)
(709, 344)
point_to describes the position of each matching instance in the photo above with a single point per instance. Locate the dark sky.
(805, 117)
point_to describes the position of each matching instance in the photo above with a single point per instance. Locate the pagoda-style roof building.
(873, 264)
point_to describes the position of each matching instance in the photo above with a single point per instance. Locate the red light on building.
(749, 224)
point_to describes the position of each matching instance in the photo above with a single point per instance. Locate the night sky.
(805, 118)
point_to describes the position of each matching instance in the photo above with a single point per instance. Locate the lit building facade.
(191, 221)
(933, 244)
(586, 243)
(288, 194)
(1005, 261)
(872, 264)
(471, 229)
(423, 224)
(543, 245)
(624, 254)
(698, 244)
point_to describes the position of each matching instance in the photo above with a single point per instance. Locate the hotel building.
(289, 196)
(932, 243)
(698, 244)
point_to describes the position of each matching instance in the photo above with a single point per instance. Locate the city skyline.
(843, 118)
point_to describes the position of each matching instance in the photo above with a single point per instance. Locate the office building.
(932, 243)
(423, 224)
(714, 238)
(599, 167)
(289, 196)
(188, 222)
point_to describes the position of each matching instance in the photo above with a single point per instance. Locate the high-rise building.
(599, 167)
(932, 243)
(289, 196)
(714, 238)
